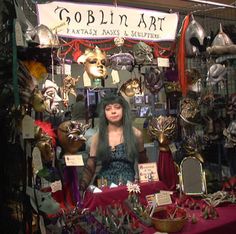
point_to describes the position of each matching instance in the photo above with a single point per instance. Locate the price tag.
(27, 127)
(74, 160)
(19, 35)
(56, 186)
(67, 69)
(36, 160)
(86, 79)
(172, 148)
(163, 199)
(163, 62)
(115, 76)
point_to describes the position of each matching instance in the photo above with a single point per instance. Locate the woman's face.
(114, 112)
(95, 66)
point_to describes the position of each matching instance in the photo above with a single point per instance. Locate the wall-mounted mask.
(122, 61)
(94, 63)
(189, 111)
(45, 141)
(231, 108)
(192, 146)
(195, 38)
(52, 99)
(37, 101)
(131, 87)
(153, 79)
(142, 53)
(71, 135)
(216, 73)
(230, 135)
(162, 128)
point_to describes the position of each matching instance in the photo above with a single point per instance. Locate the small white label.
(86, 79)
(163, 199)
(36, 160)
(115, 76)
(27, 127)
(56, 186)
(19, 35)
(67, 69)
(163, 62)
(74, 160)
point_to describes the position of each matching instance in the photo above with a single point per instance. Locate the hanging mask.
(153, 79)
(195, 38)
(230, 135)
(122, 61)
(52, 99)
(37, 101)
(231, 109)
(192, 147)
(216, 73)
(94, 63)
(162, 128)
(131, 87)
(71, 135)
(189, 111)
(142, 53)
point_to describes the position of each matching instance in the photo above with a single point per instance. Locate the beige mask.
(94, 64)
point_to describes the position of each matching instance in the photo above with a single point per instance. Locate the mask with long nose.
(162, 128)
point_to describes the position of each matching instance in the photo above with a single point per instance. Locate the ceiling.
(199, 7)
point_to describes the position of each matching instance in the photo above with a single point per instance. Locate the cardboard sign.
(147, 172)
(74, 160)
(163, 199)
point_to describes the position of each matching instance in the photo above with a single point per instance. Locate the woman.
(117, 144)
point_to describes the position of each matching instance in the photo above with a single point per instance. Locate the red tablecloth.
(224, 224)
(92, 200)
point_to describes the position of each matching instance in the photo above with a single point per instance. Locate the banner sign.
(77, 20)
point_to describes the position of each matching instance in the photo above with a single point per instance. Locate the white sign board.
(107, 21)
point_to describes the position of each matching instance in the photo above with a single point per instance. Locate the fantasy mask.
(131, 87)
(230, 135)
(94, 63)
(52, 99)
(71, 135)
(45, 140)
(142, 53)
(162, 128)
(122, 61)
(189, 111)
(153, 79)
(216, 73)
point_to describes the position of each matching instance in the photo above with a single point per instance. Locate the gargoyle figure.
(69, 85)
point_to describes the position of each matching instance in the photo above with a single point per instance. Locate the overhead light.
(213, 3)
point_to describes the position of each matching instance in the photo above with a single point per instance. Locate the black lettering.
(121, 19)
(78, 17)
(153, 22)
(161, 19)
(91, 18)
(61, 17)
(111, 17)
(142, 21)
(102, 21)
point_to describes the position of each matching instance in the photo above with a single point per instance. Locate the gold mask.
(162, 128)
(71, 135)
(95, 63)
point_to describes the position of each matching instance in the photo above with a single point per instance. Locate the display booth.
(164, 162)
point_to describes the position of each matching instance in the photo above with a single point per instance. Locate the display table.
(225, 223)
(108, 195)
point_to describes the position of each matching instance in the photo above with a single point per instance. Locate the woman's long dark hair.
(129, 137)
